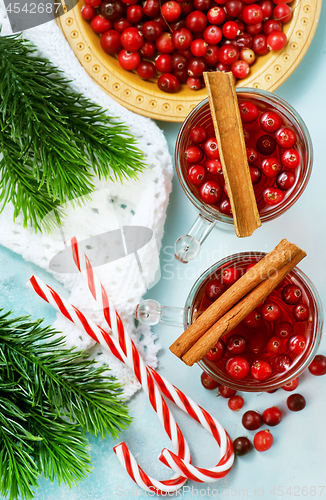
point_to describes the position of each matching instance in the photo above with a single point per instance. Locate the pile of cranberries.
(252, 420)
(181, 39)
(272, 152)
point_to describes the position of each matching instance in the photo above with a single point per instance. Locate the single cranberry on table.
(291, 385)
(241, 446)
(252, 420)
(217, 352)
(296, 402)
(318, 365)
(226, 392)
(263, 440)
(208, 382)
(235, 403)
(272, 416)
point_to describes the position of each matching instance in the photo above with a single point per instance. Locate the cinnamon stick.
(235, 315)
(272, 262)
(229, 134)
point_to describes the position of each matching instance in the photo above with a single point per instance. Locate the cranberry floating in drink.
(270, 347)
(279, 153)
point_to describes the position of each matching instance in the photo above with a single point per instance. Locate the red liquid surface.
(305, 328)
(252, 132)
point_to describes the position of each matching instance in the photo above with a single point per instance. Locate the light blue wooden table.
(295, 465)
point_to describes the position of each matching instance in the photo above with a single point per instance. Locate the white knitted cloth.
(141, 203)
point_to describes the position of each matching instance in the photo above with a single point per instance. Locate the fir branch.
(43, 384)
(60, 139)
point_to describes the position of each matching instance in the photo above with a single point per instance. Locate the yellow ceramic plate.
(145, 98)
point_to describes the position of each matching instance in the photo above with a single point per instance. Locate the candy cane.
(145, 378)
(177, 463)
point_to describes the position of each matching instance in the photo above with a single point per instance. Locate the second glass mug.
(151, 312)
(187, 247)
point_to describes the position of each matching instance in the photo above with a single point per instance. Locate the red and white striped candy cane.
(144, 376)
(177, 463)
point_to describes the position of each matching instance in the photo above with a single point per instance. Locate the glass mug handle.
(150, 312)
(187, 247)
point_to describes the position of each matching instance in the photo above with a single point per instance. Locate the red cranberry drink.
(279, 152)
(274, 343)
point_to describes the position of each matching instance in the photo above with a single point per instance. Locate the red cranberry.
(152, 31)
(128, 60)
(244, 41)
(214, 289)
(318, 365)
(291, 385)
(93, 3)
(230, 30)
(252, 14)
(263, 440)
(235, 403)
(110, 42)
(228, 54)
(255, 174)
(247, 55)
(193, 154)
(132, 39)
(241, 446)
(88, 12)
(237, 367)
(271, 167)
(272, 416)
(211, 192)
(301, 312)
(273, 196)
(271, 311)
(255, 29)
(252, 154)
(297, 344)
(152, 8)
(182, 39)
(148, 50)
(196, 66)
(187, 7)
(282, 13)
(134, 13)
(285, 137)
(296, 402)
(259, 44)
(196, 21)
(196, 173)
(168, 83)
(198, 47)
(251, 420)
(226, 392)
(249, 112)
(163, 63)
(171, 11)
(99, 24)
(261, 370)
(225, 207)
(272, 26)
(274, 345)
(146, 70)
(270, 121)
(164, 44)
(208, 382)
(198, 135)
(291, 294)
(257, 342)
(179, 61)
(284, 329)
(211, 148)
(285, 180)
(214, 166)
(122, 24)
(240, 69)
(276, 40)
(267, 8)
(282, 362)
(254, 319)
(217, 352)
(212, 35)
(236, 344)
(216, 15)
(291, 158)
(234, 7)
(112, 9)
(231, 275)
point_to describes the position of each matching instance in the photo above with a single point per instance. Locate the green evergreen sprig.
(49, 397)
(53, 139)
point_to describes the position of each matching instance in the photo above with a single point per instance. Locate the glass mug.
(151, 312)
(187, 247)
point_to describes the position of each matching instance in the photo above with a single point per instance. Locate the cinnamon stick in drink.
(235, 315)
(229, 134)
(272, 262)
